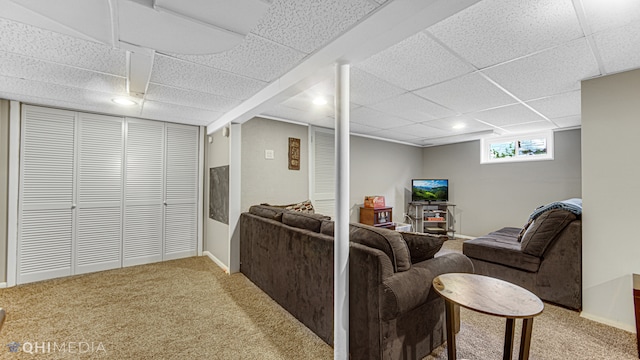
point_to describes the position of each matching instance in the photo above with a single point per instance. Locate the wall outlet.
(269, 155)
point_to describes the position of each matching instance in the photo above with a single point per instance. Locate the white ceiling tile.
(547, 73)
(160, 93)
(19, 66)
(530, 127)
(255, 57)
(458, 125)
(411, 107)
(362, 129)
(569, 121)
(293, 114)
(306, 25)
(41, 44)
(394, 135)
(467, 93)
(603, 15)
(414, 63)
(493, 31)
(326, 122)
(567, 104)
(508, 115)
(370, 117)
(367, 89)
(178, 114)
(419, 131)
(179, 73)
(618, 47)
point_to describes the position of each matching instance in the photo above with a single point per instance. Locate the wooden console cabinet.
(378, 217)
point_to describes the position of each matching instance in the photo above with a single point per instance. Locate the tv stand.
(433, 217)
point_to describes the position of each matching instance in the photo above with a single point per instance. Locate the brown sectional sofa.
(394, 314)
(545, 257)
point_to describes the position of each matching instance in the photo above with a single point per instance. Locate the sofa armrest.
(407, 290)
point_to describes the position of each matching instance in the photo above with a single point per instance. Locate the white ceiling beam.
(390, 23)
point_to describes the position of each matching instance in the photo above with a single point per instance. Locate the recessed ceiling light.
(320, 101)
(123, 101)
(459, 126)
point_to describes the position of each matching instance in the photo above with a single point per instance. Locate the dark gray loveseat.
(545, 257)
(394, 314)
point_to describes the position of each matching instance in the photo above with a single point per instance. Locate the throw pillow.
(303, 207)
(422, 246)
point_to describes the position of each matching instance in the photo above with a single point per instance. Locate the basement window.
(523, 147)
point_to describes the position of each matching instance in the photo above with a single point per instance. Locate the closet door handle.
(73, 206)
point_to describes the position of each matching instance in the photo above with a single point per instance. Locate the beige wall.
(4, 170)
(491, 196)
(610, 172)
(216, 234)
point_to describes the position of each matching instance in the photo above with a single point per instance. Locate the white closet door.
(322, 169)
(181, 216)
(99, 193)
(46, 194)
(144, 187)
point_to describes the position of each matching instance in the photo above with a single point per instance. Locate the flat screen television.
(430, 190)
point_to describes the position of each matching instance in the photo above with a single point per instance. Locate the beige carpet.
(190, 309)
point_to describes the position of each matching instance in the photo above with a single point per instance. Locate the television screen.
(430, 190)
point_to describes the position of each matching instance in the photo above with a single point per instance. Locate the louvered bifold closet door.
(45, 237)
(144, 187)
(99, 193)
(323, 178)
(181, 215)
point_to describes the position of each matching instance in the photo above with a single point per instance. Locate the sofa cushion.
(544, 230)
(266, 212)
(422, 246)
(500, 249)
(389, 241)
(327, 227)
(303, 221)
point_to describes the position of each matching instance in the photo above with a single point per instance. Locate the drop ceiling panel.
(530, 127)
(414, 63)
(53, 91)
(508, 115)
(255, 57)
(367, 89)
(458, 125)
(190, 98)
(287, 113)
(370, 117)
(411, 107)
(306, 25)
(178, 114)
(567, 104)
(569, 121)
(547, 73)
(18, 66)
(467, 93)
(46, 45)
(179, 73)
(609, 14)
(362, 129)
(394, 135)
(420, 131)
(619, 47)
(491, 32)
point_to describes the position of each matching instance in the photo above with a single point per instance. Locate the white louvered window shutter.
(181, 212)
(144, 192)
(46, 194)
(323, 171)
(99, 193)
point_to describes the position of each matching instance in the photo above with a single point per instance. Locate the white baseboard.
(465, 236)
(3, 285)
(619, 325)
(216, 261)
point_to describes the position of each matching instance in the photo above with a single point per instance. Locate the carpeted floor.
(190, 309)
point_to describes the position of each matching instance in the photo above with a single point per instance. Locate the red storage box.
(374, 202)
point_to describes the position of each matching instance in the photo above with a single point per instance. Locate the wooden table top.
(488, 295)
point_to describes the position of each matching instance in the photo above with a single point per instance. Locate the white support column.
(14, 188)
(341, 245)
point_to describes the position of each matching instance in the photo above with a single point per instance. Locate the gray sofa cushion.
(389, 241)
(267, 212)
(502, 249)
(544, 229)
(303, 221)
(422, 246)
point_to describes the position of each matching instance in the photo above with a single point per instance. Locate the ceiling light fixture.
(124, 101)
(320, 101)
(459, 126)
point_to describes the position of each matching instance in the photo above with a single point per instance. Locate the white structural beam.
(391, 23)
(341, 233)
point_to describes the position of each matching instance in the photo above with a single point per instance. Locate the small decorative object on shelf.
(374, 202)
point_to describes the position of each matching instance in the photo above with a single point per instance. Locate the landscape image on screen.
(430, 190)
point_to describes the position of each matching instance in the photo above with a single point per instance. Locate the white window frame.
(485, 146)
